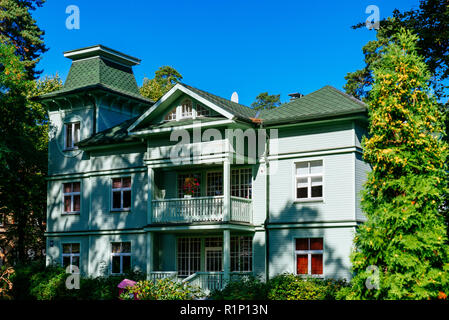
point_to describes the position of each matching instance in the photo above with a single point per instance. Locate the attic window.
(72, 135)
(186, 109)
(171, 115)
(201, 111)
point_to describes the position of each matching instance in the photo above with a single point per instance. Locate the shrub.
(293, 287)
(244, 288)
(163, 289)
(6, 283)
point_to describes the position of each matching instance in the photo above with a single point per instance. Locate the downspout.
(267, 210)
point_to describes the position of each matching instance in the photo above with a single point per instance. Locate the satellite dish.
(235, 97)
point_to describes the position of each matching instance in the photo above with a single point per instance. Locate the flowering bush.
(163, 289)
(191, 185)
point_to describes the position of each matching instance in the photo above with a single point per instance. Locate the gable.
(214, 105)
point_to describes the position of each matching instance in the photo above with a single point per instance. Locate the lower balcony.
(201, 209)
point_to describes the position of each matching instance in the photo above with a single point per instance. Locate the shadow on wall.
(337, 244)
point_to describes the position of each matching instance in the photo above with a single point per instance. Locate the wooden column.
(227, 254)
(150, 194)
(226, 190)
(150, 251)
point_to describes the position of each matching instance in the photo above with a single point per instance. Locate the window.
(189, 184)
(309, 180)
(309, 256)
(241, 254)
(72, 135)
(188, 256)
(72, 198)
(201, 111)
(171, 115)
(121, 193)
(214, 185)
(121, 257)
(186, 109)
(241, 183)
(71, 256)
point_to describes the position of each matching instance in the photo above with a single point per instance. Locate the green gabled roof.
(185, 122)
(113, 135)
(325, 102)
(239, 110)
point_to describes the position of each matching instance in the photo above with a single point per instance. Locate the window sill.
(309, 200)
(71, 213)
(120, 211)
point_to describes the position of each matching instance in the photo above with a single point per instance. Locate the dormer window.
(186, 109)
(72, 135)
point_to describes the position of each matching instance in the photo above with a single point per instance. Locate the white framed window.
(171, 115)
(186, 109)
(71, 256)
(201, 111)
(241, 183)
(242, 254)
(309, 180)
(121, 193)
(72, 197)
(72, 135)
(120, 257)
(188, 256)
(214, 183)
(309, 256)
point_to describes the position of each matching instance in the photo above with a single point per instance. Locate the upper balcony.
(201, 209)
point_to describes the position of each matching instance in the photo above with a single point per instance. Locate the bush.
(5, 282)
(35, 281)
(245, 288)
(293, 287)
(163, 289)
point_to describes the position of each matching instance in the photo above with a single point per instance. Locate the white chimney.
(235, 97)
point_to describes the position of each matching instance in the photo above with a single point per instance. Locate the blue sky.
(222, 46)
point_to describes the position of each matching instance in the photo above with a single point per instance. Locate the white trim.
(71, 255)
(197, 124)
(309, 254)
(121, 255)
(71, 194)
(189, 93)
(73, 53)
(73, 132)
(121, 190)
(309, 177)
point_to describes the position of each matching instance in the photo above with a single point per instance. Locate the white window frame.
(72, 129)
(71, 194)
(193, 173)
(121, 194)
(189, 256)
(236, 254)
(239, 184)
(309, 254)
(184, 102)
(207, 182)
(71, 255)
(309, 177)
(200, 106)
(121, 255)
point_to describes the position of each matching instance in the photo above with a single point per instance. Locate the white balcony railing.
(200, 209)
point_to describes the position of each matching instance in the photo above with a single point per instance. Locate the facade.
(196, 186)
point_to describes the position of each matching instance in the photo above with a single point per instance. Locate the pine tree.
(404, 236)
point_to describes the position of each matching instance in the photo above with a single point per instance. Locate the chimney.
(235, 97)
(294, 96)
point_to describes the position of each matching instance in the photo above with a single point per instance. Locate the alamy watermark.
(373, 281)
(73, 20)
(373, 20)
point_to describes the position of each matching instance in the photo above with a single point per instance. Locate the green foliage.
(293, 287)
(163, 289)
(405, 233)
(429, 22)
(5, 282)
(266, 101)
(246, 288)
(19, 29)
(164, 79)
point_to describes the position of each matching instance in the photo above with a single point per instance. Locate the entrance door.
(214, 259)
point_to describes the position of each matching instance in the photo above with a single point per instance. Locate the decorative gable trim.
(180, 87)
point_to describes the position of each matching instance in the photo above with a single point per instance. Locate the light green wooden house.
(127, 191)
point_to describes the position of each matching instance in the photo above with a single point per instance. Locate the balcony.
(201, 209)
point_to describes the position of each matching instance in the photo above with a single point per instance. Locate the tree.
(164, 79)
(429, 23)
(19, 29)
(23, 156)
(404, 235)
(266, 101)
